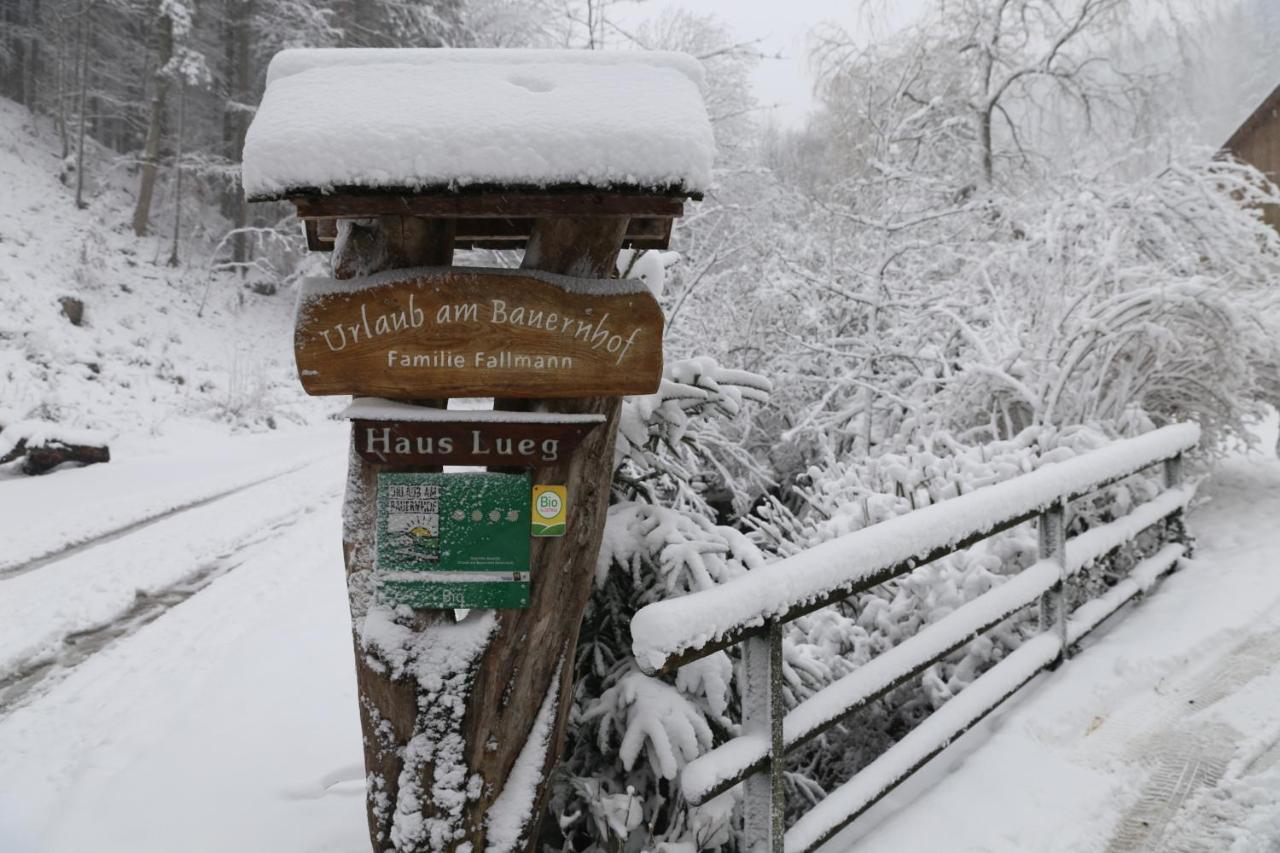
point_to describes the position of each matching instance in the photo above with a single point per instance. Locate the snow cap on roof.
(419, 119)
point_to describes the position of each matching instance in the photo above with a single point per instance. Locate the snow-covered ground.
(160, 350)
(224, 718)
(175, 661)
(215, 711)
(148, 479)
(1161, 735)
(150, 546)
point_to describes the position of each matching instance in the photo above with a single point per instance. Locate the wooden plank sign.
(462, 332)
(399, 435)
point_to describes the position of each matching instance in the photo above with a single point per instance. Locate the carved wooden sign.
(401, 444)
(459, 332)
(400, 435)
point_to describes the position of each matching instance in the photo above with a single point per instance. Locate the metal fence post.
(1053, 546)
(1173, 471)
(764, 803)
(1175, 528)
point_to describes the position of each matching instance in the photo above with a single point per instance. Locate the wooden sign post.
(522, 670)
(464, 715)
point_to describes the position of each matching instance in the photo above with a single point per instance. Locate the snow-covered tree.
(939, 276)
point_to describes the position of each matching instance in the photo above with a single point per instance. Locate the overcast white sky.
(783, 27)
(785, 85)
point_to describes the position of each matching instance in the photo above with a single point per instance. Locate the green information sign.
(454, 540)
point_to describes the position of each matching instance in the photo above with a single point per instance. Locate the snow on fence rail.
(752, 609)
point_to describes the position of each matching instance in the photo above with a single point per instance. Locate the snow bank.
(293, 61)
(153, 363)
(668, 628)
(228, 723)
(452, 117)
(90, 589)
(48, 516)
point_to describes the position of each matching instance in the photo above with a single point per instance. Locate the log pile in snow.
(46, 445)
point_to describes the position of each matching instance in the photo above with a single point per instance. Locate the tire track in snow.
(1266, 761)
(1188, 760)
(33, 679)
(1187, 753)
(1225, 815)
(239, 701)
(89, 598)
(15, 569)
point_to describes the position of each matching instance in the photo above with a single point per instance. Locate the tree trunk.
(391, 243)
(34, 58)
(235, 122)
(440, 743)
(60, 99)
(83, 36)
(11, 81)
(46, 457)
(984, 140)
(388, 699)
(151, 154)
(177, 171)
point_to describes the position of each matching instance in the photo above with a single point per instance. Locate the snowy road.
(216, 710)
(188, 684)
(1163, 734)
(153, 547)
(49, 518)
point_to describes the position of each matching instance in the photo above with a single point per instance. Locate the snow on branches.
(675, 442)
(951, 275)
(630, 733)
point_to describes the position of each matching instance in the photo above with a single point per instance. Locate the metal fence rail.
(669, 634)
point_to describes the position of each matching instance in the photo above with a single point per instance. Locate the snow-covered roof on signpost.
(430, 120)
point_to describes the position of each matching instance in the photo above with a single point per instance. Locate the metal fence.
(670, 634)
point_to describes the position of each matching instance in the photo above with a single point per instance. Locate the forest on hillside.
(1004, 237)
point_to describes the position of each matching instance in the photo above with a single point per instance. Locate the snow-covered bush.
(1090, 298)
(1112, 296)
(630, 733)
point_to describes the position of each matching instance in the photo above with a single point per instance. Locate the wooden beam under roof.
(475, 233)
(485, 205)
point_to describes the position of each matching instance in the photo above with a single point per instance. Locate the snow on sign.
(453, 540)
(463, 332)
(442, 117)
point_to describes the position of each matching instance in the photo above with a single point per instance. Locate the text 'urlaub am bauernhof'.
(595, 333)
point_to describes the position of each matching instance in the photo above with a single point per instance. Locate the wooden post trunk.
(449, 709)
